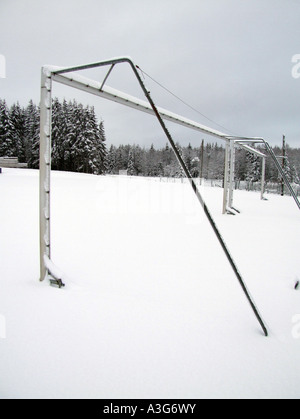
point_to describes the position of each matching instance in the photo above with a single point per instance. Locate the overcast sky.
(230, 59)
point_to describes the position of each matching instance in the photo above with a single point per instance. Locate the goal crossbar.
(66, 76)
(70, 78)
(90, 86)
(99, 89)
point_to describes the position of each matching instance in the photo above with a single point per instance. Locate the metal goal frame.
(69, 76)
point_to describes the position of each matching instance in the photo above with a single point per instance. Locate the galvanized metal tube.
(45, 169)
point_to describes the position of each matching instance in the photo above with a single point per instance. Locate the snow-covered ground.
(151, 307)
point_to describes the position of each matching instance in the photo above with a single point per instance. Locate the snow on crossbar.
(106, 92)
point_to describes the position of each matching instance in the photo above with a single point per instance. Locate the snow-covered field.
(151, 307)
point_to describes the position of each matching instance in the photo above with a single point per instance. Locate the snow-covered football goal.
(70, 77)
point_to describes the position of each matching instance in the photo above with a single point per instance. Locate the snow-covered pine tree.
(151, 161)
(69, 136)
(17, 119)
(219, 162)
(7, 146)
(119, 160)
(32, 135)
(71, 121)
(110, 160)
(59, 132)
(294, 162)
(195, 167)
(135, 160)
(122, 157)
(179, 171)
(86, 145)
(167, 155)
(77, 139)
(94, 143)
(130, 164)
(253, 169)
(289, 166)
(35, 151)
(188, 156)
(101, 150)
(139, 159)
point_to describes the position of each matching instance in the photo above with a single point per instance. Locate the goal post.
(45, 169)
(69, 77)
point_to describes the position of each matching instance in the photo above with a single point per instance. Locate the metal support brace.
(106, 77)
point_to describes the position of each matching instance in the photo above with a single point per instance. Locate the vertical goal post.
(69, 77)
(229, 171)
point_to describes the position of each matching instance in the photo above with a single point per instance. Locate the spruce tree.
(17, 119)
(188, 157)
(130, 165)
(32, 135)
(7, 145)
(98, 147)
(253, 171)
(151, 162)
(58, 135)
(110, 160)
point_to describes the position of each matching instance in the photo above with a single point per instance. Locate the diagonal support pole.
(202, 202)
(209, 217)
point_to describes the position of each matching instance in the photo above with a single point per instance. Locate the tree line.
(79, 144)
(204, 161)
(78, 139)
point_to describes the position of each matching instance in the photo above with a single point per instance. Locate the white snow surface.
(151, 307)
